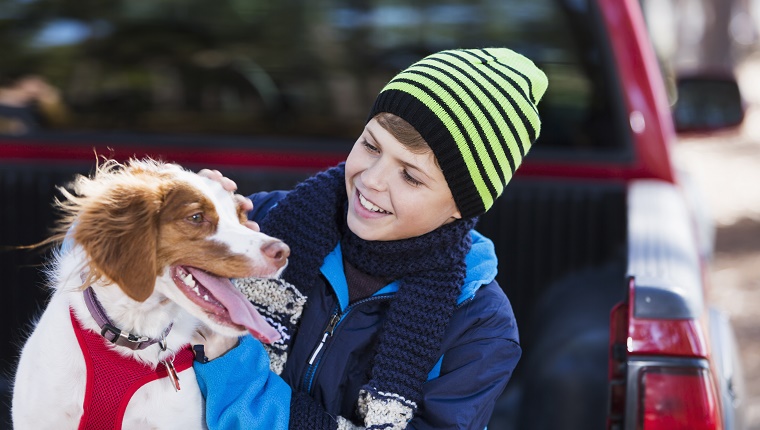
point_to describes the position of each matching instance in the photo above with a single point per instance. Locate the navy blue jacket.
(331, 354)
(479, 352)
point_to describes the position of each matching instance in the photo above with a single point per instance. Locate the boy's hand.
(215, 175)
(244, 203)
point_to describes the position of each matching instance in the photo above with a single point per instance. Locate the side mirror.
(707, 103)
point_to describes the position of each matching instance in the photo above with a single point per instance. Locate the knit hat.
(476, 109)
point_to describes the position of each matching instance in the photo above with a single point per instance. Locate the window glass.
(295, 67)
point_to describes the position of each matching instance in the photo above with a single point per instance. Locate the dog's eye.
(196, 218)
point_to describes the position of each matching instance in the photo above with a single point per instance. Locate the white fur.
(50, 380)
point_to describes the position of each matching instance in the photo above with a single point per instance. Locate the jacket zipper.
(319, 350)
(331, 324)
(328, 332)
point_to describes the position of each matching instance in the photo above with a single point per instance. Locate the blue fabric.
(480, 348)
(246, 394)
(436, 371)
(263, 202)
(482, 266)
(333, 271)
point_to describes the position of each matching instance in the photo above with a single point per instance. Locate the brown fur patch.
(118, 229)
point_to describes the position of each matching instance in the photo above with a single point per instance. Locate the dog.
(148, 252)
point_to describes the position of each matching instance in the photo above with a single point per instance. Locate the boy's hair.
(404, 133)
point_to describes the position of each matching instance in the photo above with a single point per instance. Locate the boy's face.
(394, 193)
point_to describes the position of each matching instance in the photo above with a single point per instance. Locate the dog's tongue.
(241, 310)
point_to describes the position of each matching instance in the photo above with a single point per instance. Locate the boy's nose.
(374, 176)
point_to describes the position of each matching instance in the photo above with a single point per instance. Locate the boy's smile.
(366, 204)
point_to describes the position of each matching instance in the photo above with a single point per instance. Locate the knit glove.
(387, 411)
(378, 410)
(281, 304)
(307, 414)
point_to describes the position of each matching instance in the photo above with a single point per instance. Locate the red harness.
(112, 379)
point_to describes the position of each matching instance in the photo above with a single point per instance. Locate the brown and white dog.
(146, 262)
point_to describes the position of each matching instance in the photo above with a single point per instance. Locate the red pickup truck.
(602, 250)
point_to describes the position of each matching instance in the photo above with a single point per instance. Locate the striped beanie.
(476, 109)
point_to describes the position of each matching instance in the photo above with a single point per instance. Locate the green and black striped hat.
(476, 108)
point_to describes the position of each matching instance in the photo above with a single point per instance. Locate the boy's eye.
(370, 147)
(410, 179)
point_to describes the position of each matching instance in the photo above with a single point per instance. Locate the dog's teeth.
(197, 290)
(189, 280)
(205, 297)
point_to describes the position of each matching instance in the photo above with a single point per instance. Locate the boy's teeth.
(369, 205)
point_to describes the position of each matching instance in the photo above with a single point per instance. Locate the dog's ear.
(119, 231)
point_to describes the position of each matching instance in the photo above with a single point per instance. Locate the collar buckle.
(120, 338)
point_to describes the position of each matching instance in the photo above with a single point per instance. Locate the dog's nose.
(278, 251)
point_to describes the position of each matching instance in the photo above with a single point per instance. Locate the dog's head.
(155, 228)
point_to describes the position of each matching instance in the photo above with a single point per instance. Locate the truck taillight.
(678, 399)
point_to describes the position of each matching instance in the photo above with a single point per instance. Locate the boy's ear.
(119, 231)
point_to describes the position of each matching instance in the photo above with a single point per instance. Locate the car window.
(299, 67)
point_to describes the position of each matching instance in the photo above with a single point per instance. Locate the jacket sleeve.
(264, 201)
(241, 391)
(462, 390)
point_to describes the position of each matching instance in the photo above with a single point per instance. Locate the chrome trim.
(730, 377)
(663, 254)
